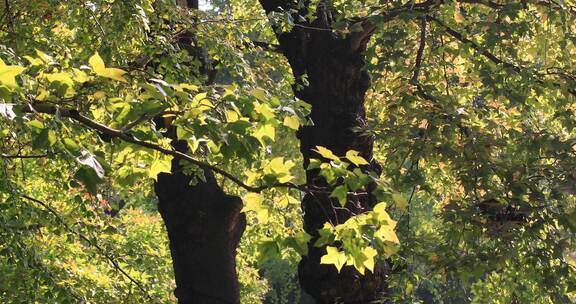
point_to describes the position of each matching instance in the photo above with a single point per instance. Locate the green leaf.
(88, 178)
(45, 139)
(299, 242)
(340, 193)
(88, 159)
(268, 250)
(326, 235)
(259, 94)
(71, 146)
(400, 201)
(314, 164)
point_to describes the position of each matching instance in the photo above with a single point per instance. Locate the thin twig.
(420, 54)
(488, 55)
(22, 156)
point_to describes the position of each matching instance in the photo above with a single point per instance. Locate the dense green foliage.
(472, 107)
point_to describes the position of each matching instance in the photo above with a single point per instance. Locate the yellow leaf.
(326, 153)
(253, 202)
(251, 176)
(265, 110)
(381, 216)
(62, 77)
(292, 122)
(357, 261)
(42, 95)
(386, 233)
(34, 61)
(370, 253)
(100, 69)
(187, 86)
(265, 131)
(8, 74)
(277, 165)
(232, 116)
(100, 95)
(355, 158)
(400, 201)
(96, 63)
(280, 169)
(160, 165)
(113, 73)
(80, 76)
(285, 200)
(44, 57)
(199, 97)
(458, 17)
(335, 257)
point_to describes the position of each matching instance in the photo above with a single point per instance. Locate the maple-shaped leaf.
(100, 69)
(335, 257)
(355, 158)
(8, 74)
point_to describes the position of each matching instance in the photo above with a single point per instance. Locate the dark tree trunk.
(204, 227)
(204, 224)
(334, 67)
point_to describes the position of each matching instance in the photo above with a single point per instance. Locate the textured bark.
(204, 227)
(204, 224)
(334, 67)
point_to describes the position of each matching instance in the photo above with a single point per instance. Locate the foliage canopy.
(472, 107)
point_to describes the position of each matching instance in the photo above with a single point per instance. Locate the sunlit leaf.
(8, 74)
(326, 153)
(355, 158)
(100, 69)
(334, 257)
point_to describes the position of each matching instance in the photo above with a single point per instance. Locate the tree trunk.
(337, 83)
(204, 227)
(204, 224)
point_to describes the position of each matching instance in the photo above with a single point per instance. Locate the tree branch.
(274, 48)
(420, 54)
(485, 52)
(114, 133)
(22, 156)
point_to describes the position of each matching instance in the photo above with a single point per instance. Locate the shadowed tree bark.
(204, 224)
(337, 82)
(204, 227)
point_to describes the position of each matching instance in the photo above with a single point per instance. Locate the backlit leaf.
(100, 69)
(334, 257)
(355, 158)
(8, 74)
(326, 153)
